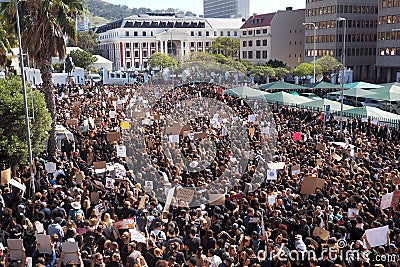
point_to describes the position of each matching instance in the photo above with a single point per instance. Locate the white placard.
(50, 167)
(44, 243)
(352, 213)
(112, 114)
(252, 118)
(364, 120)
(70, 250)
(17, 184)
(272, 175)
(15, 248)
(149, 184)
(39, 228)
(386, 200)
(173, 138)
(376, 236)
(276, 165)
(137, 236)
(121, 151)
(271, 199)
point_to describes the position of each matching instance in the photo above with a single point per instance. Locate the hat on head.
(76, 205)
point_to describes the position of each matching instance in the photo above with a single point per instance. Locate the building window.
(137, 65)
(128, 53)
(265, 31)
(245, 32)
(136, 45)
(250, 54)
(207, 33)
(215, 33)
(235, 33)
(136, 53)
(264, 54)
(128, 65)
(258, 42)
(199, 44)
(258, 31)
(144, 45)
(143, 33)
(145, 64)
(250, 32)
(153, 44)
(199, 33)
(244, 43)
(126, 33)
(228, 33)
(191, 33)
(144, 53)
(127, 45)
(135, 34)
(244, 54)
(191, 44)
(222, 33)
(258, 54)
(250, 43)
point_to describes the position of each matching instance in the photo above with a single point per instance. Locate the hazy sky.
(196, 6)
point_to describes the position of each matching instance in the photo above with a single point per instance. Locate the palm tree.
(7, 41)
(44, 25)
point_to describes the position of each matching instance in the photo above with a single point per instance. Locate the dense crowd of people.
(118, 218)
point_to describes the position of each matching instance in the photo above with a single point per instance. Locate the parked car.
(371, 103)
(393, 107)
(311, 95)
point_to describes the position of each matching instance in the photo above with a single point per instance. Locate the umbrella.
(245, 92)
(324, 102)
(356, 92)
(286, 98)
(362, 85)
(390, 92)
(373, 113)
(322, 85)
(279, 85)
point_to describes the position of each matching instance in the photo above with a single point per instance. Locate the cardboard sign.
(94, 197)
(142, 202)
(72, 121)
(15, 248)
(276, 165)
(98, 122)
(396, 198)
(99, 165)
(320, 147)
(185, 194)
(200, 135)
(5, 176)
(50, 167)
(45, 243)
(336, 156)
(39, 228)
(173, 138)
(121, 151)
(124, 125)
(124, 224)
(170, 195)
(272, 175)
(70, 250)
(251, 132)
(252, 118)
(310, 184)
(321, 233)
(296, 136)
(174, 130)
(109, 183)
(296, 169)
(79, 177)
(113, 136)
(137, 236)
(352, 213)
(217, 199)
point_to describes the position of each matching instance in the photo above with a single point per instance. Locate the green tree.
(7, 41)
(328, 64)
(281, 72)
(87, 41)
(274, 63)
(161, 60)
(58, 67)
(13, 141)
(44, 25)
(226, 46)
(220, 58)
(305, 69)
(262, 71)
(236, 64)
(82, 59)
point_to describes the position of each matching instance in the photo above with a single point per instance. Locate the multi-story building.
(278, 35)
(360, 23)
(130, 42)
(82, 23)
(388, 46)
(226, 8)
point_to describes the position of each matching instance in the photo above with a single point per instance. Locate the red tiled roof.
(263, 20)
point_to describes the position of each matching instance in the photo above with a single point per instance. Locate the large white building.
(226, 8)
(129, 42)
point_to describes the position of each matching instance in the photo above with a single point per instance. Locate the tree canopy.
(328, 64)
(13, 142)
(161, 60)
(82, 59)
(305, 69)
(262, 71)
(226, 46)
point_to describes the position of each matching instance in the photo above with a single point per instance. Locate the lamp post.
(172, 62)
(315, 51)
(21, 63)
(342, 79)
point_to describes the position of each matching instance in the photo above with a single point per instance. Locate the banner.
(185, 194)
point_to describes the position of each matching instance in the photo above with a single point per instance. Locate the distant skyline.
(196, 6)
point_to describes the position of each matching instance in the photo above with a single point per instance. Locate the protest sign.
(39, 228)
(386, 201)
(50, 167)
(296, 136)
(72, 121)
(94, 197)
(113, 136)
(70, 250)
(272, 175)
(352, 213)
(184, 194)
(336, 156)
(137, 236)
(276, 165)
(79, 177)
(170, 195)
(272, 199)
(5, 176)
(121, 151)
(97, 165)
(173, 138)
(396, 198)
(217, 199)
(17, 184)
(321, 233)
(376, 236)
(296, 169)
(124, 125)
(310, 184)
(44, 243)
(15, 247)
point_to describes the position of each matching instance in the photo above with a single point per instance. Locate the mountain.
(102, 12)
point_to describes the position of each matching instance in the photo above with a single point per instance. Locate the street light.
(315, 36)
(21, 62)
(342, 80)
(172, 62)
